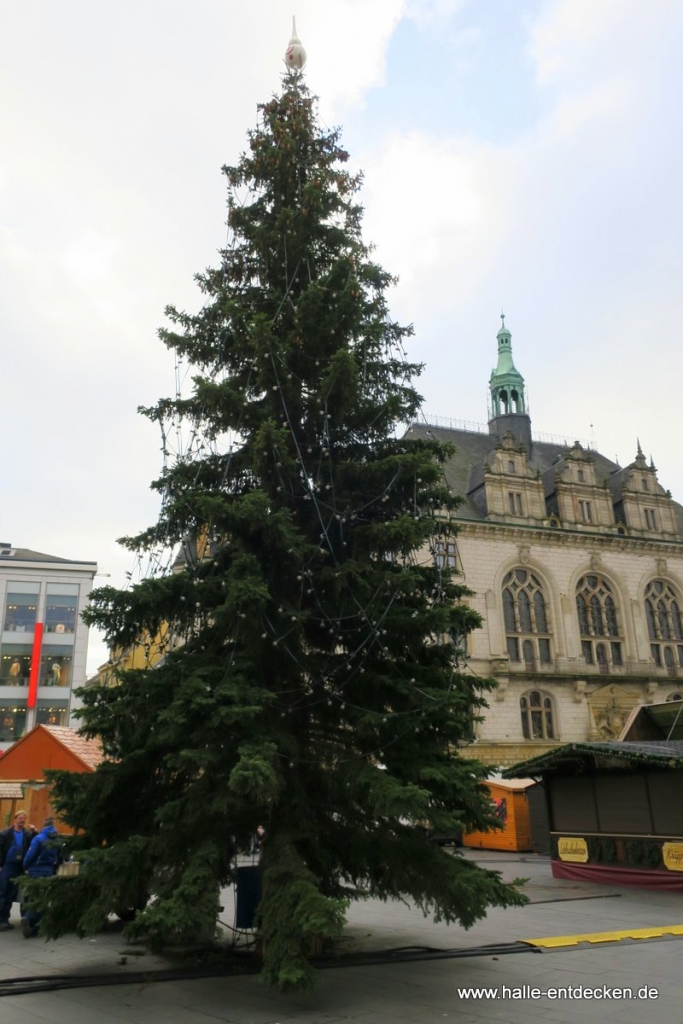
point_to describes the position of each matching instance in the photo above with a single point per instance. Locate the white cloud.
(434, 204)
(574, 226)
(430, 13)
(115, 121)
(347, 48)
(568, 28)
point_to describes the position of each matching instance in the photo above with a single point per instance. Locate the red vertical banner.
(35, 665)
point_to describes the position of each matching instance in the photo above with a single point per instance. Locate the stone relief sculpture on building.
(610, 707)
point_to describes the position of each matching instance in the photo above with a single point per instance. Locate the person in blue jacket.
(41, 861)
(14, 844)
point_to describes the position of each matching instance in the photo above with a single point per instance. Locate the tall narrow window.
(585, 512)
(650, 519)
(526, 620)
(445, 554)
(515, 503)
(598, 618)
(664, 625)
(537, 716)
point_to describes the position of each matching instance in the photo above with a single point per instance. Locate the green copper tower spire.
(508, 402)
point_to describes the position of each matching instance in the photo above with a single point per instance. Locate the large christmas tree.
(315, 682)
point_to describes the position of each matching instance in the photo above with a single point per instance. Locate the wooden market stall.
(23, 765)
(11, 799)
(511, 807)
(615, 807)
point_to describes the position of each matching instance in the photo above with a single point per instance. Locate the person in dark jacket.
(41, 861)
(14, 843)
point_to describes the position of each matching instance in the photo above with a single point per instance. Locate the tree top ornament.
(295, 55)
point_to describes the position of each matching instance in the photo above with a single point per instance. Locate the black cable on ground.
(245, 964)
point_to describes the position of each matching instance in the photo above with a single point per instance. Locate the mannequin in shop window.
(56, 672)
(15, 673)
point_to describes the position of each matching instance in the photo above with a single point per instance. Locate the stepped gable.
(464, 471)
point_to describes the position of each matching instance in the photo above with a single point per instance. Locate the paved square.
(489, 986)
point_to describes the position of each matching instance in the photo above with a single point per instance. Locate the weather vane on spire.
(295, 55)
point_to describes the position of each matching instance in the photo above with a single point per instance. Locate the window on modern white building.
(15, 665)
(61, 607)
(55, 665)
(536, 709)
(12, 720)
(21, 607)
(526, 619)
(52, 712)
(601, 640)
(664, 625)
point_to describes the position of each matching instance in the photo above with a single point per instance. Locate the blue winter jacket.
(43, 854)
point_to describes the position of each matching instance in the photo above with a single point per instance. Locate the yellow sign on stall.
(672, 855)
(575, 850)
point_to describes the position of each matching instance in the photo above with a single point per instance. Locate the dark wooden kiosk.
(616, 807)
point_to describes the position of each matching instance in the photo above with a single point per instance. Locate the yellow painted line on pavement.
(555, 941)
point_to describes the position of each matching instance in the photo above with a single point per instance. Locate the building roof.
(511, 784)
(88, 751)
(464, 471)
(582, 758)
(656, 722)
(8, 553)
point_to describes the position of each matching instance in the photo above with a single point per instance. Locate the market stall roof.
(655, 722)
(578, 758)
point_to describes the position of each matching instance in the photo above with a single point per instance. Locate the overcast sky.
(521, 155)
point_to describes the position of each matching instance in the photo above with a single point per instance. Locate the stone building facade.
(576, 564)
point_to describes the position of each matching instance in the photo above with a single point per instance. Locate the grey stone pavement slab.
(425, 990)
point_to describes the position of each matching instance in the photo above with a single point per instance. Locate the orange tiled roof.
(89, 751)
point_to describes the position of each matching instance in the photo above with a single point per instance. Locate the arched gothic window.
(664, 625)
(526, 619)
(537, 716)
(601, 639)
